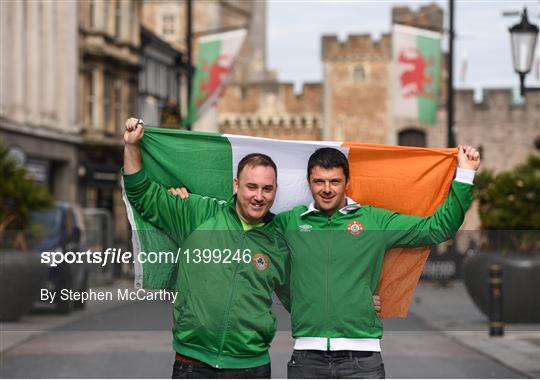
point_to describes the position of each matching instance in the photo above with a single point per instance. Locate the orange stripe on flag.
(408, 180)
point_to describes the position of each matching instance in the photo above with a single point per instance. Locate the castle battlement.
(427, 17)
(276, 96)
(497, 101)
(356, 46)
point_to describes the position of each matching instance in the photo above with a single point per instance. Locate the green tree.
(510, 202)
(19, 196)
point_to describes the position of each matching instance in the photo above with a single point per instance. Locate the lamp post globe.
(523, 38)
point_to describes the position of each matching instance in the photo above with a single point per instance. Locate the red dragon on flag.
(216, 72)
(416, 67)
(216, 54)
(416, 77)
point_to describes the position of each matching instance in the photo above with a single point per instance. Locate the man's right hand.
(377, 304)
(179, 191)
(134, 131)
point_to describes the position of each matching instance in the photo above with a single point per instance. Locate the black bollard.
(496, 325)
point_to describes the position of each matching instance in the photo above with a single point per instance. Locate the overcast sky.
(295, 29)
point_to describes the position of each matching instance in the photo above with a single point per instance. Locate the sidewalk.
(451, 310)
(42, 320)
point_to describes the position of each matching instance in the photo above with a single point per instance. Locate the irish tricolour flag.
(416, 62)
(408, 180)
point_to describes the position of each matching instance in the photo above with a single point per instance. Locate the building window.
(118, 109)
(412, 137)
(105, 16)
(151, 76)
(142, 74)
(132, 99)
(132, 20)
(359, 73)
(108, 119)
(88, 78)
(172, 84)
(92, 13)
(118, 19)
(162, 81)
(243, 92)
(87, 99)
(168, 24)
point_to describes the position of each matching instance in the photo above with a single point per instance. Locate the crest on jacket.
(261, 261)
(355, 227)
(305, 228)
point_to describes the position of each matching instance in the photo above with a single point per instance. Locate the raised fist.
(134, 131)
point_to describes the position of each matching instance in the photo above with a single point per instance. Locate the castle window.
(359, 73)
(412, 137)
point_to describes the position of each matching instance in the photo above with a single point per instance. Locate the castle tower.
(355, 85)
(356, 80)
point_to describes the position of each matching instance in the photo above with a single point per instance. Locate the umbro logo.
(305, 228)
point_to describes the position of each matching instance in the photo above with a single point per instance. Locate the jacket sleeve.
(402, 230)
(165, 211)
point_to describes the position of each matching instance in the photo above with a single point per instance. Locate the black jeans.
(311, 364)
(202, 371)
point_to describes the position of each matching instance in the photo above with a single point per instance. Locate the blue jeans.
(182, 370)
(312, 364)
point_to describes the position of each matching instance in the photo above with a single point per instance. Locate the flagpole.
(189, 46)
(450, 64)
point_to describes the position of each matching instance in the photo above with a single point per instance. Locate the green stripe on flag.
(430, 49)
(200, 161)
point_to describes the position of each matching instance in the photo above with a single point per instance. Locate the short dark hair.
(256, 159)
(328, 158)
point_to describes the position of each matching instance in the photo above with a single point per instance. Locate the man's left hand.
(468, 157)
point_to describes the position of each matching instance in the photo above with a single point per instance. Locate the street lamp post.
(523, 37)
(451, 142)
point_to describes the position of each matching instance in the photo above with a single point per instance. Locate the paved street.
(132, 340)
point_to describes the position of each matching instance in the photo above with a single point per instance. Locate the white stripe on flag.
(291, 158)
(138, 267)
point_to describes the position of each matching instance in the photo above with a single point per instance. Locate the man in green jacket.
(223, 322)
(337, 250)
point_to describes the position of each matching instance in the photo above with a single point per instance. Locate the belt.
(188, 360)
(339, 354)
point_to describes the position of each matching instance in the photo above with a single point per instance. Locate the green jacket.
(336, 261)
(222, 315)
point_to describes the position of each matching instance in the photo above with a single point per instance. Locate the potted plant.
(21, 272)
(509, 207)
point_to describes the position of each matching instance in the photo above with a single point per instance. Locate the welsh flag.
(416, 63)
(404, 179)
(214, 63)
